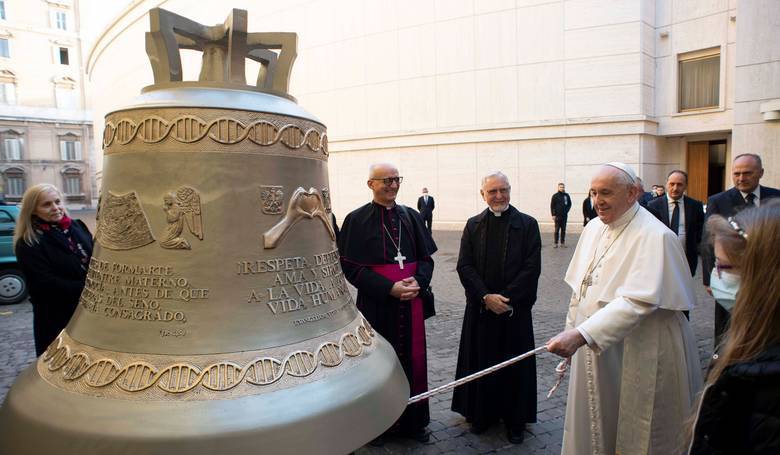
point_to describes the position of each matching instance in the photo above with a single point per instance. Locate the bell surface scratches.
(216, 317)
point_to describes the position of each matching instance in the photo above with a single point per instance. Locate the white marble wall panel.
(321, 74)
(381, 57)
(455, 102)
(380, 16)
(524, 3)
(496, 39)
(603, 71)
(663, 12)
(383, 113)
(452, 9)
(599, 150)
(496, 95)
(540, 167)
(489, 6)
(350, 16)
(457, 182)
(764, 82)
(606, 40)
(687, 9)
(415, 12)
(455, 45)
(418, 103)
(319, 17)
(701, 33)
(417, 51)
(351, 68)
(540, 34)
(594, 13)
(604, 101)
(496, 156)
(350, 104)
(540, 91)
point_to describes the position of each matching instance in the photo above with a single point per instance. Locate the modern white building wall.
(757, 98)
(452, 89)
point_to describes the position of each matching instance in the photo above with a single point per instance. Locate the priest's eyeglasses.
(390, 180)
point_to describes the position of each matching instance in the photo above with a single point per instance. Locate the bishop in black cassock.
(499, 266)
(386, 254)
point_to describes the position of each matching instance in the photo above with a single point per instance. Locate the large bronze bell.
(216, 317)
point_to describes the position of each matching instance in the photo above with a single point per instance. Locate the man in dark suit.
(588, 209)
(746, 173)
(425, 206)
(560, 204)
(682, 214)
(644, 196)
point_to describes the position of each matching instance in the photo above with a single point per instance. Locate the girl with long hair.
(54, 252)
(739, 412)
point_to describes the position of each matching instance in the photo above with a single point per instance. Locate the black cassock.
(498, 255)
(366, 249)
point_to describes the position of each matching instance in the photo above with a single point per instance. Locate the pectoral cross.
(586, 283)
(400, 259)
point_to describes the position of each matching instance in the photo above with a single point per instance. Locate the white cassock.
(633, 385)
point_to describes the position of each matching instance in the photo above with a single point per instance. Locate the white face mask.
(725, 288)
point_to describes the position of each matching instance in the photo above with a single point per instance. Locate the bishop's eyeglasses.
(390, 180)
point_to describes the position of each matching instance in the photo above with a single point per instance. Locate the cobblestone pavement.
(450, 433)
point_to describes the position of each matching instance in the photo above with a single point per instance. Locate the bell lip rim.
(137, 103)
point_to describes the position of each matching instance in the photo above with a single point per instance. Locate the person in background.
(746, 173)
(659, 190)
(739, 411)
(53, 251)
(588, 209)
(644, 196)
(682, 214)
(560, 204)
(425, 206)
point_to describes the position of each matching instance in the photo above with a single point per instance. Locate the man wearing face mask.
(746, 173)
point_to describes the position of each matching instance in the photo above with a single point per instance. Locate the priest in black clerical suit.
(386, 254)
(499, 266)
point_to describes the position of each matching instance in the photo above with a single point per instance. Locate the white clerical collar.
(498, 213)
(671, 201)
(624, 218)
(756, 192)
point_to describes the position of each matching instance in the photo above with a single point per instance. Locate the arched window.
(14, 185)
(72, 182)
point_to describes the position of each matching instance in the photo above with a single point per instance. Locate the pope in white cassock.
(635, 377)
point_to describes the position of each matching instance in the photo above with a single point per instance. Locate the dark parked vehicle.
(13, 288)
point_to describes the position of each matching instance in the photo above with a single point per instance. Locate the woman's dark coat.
(487, 338)
(55, 278)
(740, 412)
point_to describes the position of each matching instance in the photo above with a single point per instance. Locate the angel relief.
(182, 208)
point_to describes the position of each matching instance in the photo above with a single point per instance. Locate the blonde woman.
(740, 407)
(53, 251)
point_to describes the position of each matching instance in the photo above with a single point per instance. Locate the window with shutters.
(65, 93)
(2, 9)
(61, 20)
(5, 50)
(72, 182)
(12, 148)
(14, 183)
(70, 149)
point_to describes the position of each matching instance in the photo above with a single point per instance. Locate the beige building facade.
(45, 128)
(542, 90)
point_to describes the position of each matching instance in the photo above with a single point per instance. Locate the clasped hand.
(497, 303)
(406, 289)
